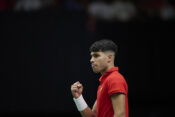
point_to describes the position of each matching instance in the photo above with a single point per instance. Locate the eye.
(96, 55)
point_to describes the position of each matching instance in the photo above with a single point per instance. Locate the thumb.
(79, 85)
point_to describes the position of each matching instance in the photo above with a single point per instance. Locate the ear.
(109, 58)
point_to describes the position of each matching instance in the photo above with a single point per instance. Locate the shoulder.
(116, 76)
(116, 84)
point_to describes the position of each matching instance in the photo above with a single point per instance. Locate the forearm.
(83, 108)
(87, 113)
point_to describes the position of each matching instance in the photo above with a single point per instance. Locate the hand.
(77, 89)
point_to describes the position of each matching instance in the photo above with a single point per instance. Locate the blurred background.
(44, 46)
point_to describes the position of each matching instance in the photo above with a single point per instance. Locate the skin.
(100, 63)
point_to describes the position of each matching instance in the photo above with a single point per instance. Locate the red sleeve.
(116, 85)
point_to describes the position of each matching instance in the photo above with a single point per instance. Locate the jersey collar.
(104, 76)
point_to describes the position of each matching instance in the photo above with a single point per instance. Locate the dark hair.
(103, 45)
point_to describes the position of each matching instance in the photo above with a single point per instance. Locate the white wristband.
(80, 103)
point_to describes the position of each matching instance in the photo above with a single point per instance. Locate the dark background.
(44, 52)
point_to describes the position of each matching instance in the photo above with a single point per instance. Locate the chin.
(95, 71)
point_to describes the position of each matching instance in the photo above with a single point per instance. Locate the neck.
(108, 67)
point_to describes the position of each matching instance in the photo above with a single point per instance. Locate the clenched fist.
(77, 89)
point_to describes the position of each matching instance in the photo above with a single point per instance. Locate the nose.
(91, 60)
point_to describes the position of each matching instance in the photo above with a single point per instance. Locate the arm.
(88, 112)
(77, 89)
(118, 103)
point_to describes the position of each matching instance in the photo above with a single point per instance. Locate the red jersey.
(111, 82)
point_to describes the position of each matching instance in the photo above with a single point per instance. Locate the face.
(99, 62)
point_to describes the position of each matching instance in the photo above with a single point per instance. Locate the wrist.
(80, 103)
(76, 96)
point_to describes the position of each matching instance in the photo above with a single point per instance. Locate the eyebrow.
(94, 54)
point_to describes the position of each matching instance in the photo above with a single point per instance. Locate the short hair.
(104, 45)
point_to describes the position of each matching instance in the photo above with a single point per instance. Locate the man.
(112, 94)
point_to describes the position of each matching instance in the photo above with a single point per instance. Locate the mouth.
(93, 65)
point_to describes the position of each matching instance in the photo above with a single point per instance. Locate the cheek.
(102, 62)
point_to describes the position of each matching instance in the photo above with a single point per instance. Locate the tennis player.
(112, 93)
